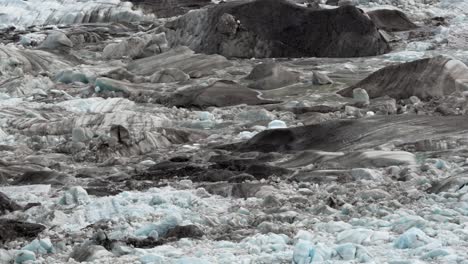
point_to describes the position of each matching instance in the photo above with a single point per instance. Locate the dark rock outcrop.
(42, 177)
(391, 20)
(425, 78)
(277, 28)
(339, 135)
(7, 205)
(221, 93)
(12, 230)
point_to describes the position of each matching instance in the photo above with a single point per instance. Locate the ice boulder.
(191, 260)
(304, 252)
(75, 195)
(277, 124)
(356, 236)
(40, 246)
(413, 238)
(349, 251)
(168, 222)
(23, 256)
(151, 259)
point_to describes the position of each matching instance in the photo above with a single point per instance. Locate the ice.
(356, 236)
(277, 124)
(151, 259)
(97, 105)
(245, 135)
(191, 260)
(436, 253)
(419, 46)
(39, 12)
(23, 256)
(404, 56)
(351, 251)
(205, 116)
(255, 115)
(360, 96)
(304, 252)
(71, 76)
(413, 238)
(6, 256)
(40, 246)
(75, 196)
(168, 222)
(366, 174)
(16, 192)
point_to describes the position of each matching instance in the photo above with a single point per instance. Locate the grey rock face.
(425, 78)
(300, 31)
(391, 20)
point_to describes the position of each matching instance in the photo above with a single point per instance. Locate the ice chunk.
(304, 252)
(168, 222)
(246, 135)
(22, 256)
(17, 191)
(413, 238)
(350, 251)
(40, 246)
(366, 174)
(70, 76)
(191, 260)
(356, 236)
(360, 96)
(6, 256)
(151, 259)
(277, 124)
(436, 253)
(75, 195)
(205, 115)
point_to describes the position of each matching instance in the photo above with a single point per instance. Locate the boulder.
(12, 230)
(391, 20)
(268, 76)
(56, 40)
(221, 93)
(425, 78)
(7, 205)
(257, 31)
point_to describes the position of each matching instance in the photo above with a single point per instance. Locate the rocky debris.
(268, 76)
(391, 20)
(259, 34)
(425, 78)
(11, 230)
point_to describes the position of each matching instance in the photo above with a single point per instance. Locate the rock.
(11, 230)
(181, 58)
(391, 20)
(56, 40)
(425, 78)
(384, 106)
(302, 32)
(319, 78)
(23, 256)
(169, 75)
(43, 177)
(89, 252)
(360, 97)
(221, 93)
(267, 76)
(413, 238)
(335, 135)
(7, 205)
